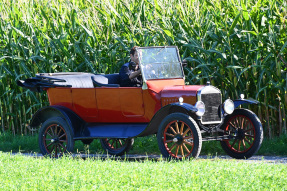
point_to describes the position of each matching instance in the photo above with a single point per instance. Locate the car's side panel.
(60, 96)
(149, 104)
(85, 104)
(113, 104)
(80, 100)
(102, 104)
(120, 105)
(109, 106)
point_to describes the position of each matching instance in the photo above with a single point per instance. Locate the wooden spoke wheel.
(179, 137)
(116, 146)
(55, 138)
(246, 133)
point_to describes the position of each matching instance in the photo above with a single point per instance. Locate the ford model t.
(85, 106)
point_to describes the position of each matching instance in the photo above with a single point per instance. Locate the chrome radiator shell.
(212, 98)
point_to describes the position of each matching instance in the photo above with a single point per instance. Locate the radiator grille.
(212, 101)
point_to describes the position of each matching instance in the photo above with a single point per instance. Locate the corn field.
(238, 45)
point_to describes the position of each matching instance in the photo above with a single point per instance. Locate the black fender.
(239, 102)
(153, 126)
(74, 122)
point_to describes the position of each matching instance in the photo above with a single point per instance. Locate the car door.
(120, 104)
(131, 99)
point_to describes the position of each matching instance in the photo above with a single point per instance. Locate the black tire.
(55, 138)
(116, 146)
(87, 141)
(179, 137)
(247, 129)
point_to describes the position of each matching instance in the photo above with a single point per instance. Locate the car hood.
(178, 91)
(170, 94)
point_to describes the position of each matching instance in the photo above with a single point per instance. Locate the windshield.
(160, 63)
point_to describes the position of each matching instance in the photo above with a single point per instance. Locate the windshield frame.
(178, 59)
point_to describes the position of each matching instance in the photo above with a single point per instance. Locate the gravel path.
(130, 157)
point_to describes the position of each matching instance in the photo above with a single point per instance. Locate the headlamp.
(200, 108)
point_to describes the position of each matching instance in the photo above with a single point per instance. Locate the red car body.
(122, 104)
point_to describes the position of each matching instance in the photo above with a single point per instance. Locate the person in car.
(130, 73)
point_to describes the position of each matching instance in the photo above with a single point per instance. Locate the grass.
(27, 173)
(143, 145)
(275, 146)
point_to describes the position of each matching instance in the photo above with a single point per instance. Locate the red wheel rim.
(115, 144)
(55, 140)
(178, 139)
(243, 129)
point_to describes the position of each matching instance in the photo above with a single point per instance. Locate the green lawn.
(28, 173)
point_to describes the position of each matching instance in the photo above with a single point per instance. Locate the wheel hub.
(55, 140)
(178, 139)
(240, 134)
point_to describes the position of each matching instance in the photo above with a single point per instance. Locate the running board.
(122, 130)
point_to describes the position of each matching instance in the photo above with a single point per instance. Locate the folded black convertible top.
(49, 80)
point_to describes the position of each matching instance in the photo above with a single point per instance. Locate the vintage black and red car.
(86, 106)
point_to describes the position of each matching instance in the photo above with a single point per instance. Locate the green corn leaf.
(235, 21)
(282, 49)
(192, 60)
(245, 13)
(254, 27)
(87, 30)
(260, 90)
(139, 14)
(3, 57)
(234, 67)
(266, 58)
(167, 32)
(263, 20)
(250, 32)
(222, 55)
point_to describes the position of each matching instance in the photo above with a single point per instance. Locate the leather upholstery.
(108, 80)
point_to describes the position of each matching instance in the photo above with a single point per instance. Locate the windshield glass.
(160, 63)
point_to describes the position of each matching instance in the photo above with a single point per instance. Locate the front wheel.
(116, 146)
(246, 133)
(55, 137)
(179, 137)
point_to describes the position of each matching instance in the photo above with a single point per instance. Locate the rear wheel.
(247, 131)
(55, 137)
(117, 147)
(179, 137)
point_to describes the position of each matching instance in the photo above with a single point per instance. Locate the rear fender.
(239, 102)
(73, 120)
(166, 110)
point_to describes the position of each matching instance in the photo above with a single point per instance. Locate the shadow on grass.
(142, 145)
